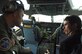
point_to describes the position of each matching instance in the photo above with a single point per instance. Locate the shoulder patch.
(5, 44)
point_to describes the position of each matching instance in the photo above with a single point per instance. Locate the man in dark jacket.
(72, 29)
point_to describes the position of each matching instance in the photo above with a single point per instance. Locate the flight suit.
(8, 41)
(7, 45)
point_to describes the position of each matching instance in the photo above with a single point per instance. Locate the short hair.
(33, 18)
(74, 19)
(12, 6)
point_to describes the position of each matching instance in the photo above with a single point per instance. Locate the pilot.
(12, 16)
(36, 30)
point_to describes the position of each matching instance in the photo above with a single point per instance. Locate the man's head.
(72, 24)
(12, 6)
(33, 20)
(14, 11)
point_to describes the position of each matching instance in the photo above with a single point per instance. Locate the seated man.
(12, 16)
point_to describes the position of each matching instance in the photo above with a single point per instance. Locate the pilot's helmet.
(12, 6)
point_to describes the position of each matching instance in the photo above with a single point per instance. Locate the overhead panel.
(45, 1)
(48, 7)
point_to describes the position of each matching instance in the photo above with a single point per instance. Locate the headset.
(12, 6)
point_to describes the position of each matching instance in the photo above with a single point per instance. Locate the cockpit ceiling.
(48, 7)
(45, 1)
